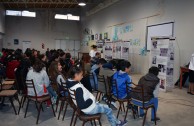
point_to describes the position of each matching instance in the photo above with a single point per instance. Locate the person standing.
(93, 51)
(191, 76)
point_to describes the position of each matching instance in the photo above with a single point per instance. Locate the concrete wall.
(179, 11)
(42, 29)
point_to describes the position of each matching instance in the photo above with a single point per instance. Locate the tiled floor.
(175, 109)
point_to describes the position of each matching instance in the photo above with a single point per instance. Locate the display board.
(116, 50)
(162, 56)
(165, 29)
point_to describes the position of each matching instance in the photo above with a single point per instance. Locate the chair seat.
(8, 82)
(119, 100)
(6, 87)
(140, 103)
(89, 117)
(41, 98)
(7, 93)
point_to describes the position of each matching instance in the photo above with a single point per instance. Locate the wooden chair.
(36, 99)
(63, 99)
(139, 90)
(6, 92)
(83, 117)
(101, 81)
(113, 85)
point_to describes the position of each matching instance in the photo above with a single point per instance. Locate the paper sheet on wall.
(108, 50)
(125, 50)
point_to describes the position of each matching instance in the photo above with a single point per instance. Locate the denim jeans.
(100, 108)
(153, 101)
(51, 92)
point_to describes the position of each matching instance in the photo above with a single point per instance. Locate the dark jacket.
(149, 82)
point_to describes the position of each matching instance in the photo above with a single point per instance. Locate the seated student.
(55, 70)
(68, 63)
(86, 101)
(11, 66)
(41, 80)
(121, 78)
(95, 70)
(151, 88)
(95, 59)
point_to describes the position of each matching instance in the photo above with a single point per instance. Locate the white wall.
(180, 11)
(42, 29)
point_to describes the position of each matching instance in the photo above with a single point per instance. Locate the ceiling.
(49, 4)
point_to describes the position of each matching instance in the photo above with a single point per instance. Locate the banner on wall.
(162, 56)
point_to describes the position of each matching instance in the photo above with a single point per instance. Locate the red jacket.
(10, 74)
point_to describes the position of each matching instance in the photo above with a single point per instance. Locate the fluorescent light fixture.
(13, 13)
(60, 16)
(82, 4)
(28, 14)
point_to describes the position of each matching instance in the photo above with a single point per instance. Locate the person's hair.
(154, 70)
(74, 70)
(97, 53)
(68, 55)
(102, 61)
(62, 54)
(41, 56)
(28, 52)
(38, 66)
(114, 63)
(124, 64)
(94, 46)
(53, 71)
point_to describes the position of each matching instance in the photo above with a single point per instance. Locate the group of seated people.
(58, 66)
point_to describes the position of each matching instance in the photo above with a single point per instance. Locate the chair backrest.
(30, 85)
(101, 80)
(1, 80)
(64, 87)
(92, 77)
(113, 85)
(72, 97)
(136, 90)
(109, 83)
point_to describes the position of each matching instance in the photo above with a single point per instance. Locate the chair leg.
(123, 107)
(65, 110)
(119, 110)
(19, 104)
(61, 108)
(75, 120)
(36, 105)
(72, 117)
(94, 122)
(39, 109)
(53, 110)
(57, 103)
(11, 100)
(126, 113)
(154, 114)
(83, 123)
(91, 123)
(144, 117)
(23, 101)
(100, 122)
(26, 108)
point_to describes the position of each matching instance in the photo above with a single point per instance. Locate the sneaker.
(122, 123)
(114, 104)
(157, 119)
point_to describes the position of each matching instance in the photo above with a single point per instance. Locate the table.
(182, 70)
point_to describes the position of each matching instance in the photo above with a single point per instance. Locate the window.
(13, 13)
(67, 17)
(20, 13)
(28, 14)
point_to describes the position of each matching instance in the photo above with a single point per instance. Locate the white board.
(165, 29)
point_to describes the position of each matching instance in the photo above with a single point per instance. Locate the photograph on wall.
(108, 50)
(170, 71)
(154, 44)
(163, 52)
(125, 50)
(162, 83)
(154, 59)
(100, 36)
(96, 36)
(162, 68)
(16, 41)
(106, 35)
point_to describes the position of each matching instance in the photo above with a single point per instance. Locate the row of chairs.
(133, 88)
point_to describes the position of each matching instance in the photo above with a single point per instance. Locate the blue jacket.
(121, 78)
